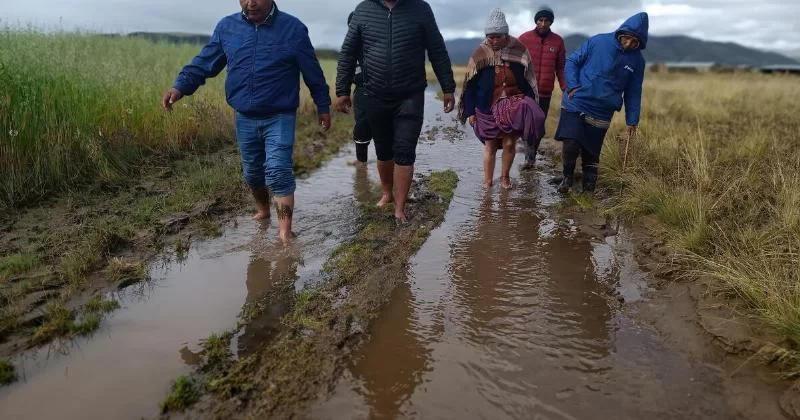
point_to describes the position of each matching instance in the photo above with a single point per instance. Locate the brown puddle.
(509, 312)
(124, 371)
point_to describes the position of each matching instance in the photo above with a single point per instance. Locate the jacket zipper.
(541, 60)
(389, 79)
(255, 52)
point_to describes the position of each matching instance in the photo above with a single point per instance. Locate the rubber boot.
(565, 185)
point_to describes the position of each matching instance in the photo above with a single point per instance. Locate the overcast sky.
(765, 24)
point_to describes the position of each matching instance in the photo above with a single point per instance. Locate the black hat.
(546, 12)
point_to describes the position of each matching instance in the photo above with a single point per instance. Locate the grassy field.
(77, 109)
(717, 164)
(90, 166)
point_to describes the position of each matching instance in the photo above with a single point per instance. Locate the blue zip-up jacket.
(264, 64)
(604, 74)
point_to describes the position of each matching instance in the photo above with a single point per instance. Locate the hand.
(632, 130)
(343, 104)
(449, 102)
(170, 97)
(325, 122)
(471, 120)
(572, 92)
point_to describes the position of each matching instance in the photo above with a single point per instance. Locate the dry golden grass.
(717, 162)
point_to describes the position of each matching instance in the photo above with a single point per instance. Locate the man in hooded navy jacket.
(606, 72)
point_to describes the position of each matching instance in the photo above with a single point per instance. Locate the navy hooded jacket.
(264, 64)
(604, 74)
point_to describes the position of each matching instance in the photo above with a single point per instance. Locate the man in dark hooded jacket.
(606, 72)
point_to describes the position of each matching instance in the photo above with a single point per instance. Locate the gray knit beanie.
(496, 24)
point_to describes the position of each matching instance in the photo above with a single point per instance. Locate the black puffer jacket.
(392, 44)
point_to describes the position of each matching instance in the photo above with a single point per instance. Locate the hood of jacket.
(638, 25)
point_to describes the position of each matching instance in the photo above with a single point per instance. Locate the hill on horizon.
(660, 49)
(669, 48)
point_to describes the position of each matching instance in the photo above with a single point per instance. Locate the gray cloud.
(766, 24)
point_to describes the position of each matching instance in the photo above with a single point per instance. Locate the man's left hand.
(632, 130)
(449, 102)
(325, 121)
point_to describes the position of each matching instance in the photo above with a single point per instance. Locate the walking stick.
(625, 156)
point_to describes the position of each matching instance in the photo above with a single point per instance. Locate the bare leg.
(509, 150)
(489, 156)
(284, 206)
(386, 173)
(402, 184)
(261, 195)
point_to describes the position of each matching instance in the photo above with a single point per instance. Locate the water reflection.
(270, 293)
(393, 363)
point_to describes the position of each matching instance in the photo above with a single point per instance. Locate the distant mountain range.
(660, 49)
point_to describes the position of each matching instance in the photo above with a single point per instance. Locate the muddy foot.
(506, 183)
(287, 237)
(487, 185)
(401, 222)
(261, 215)
(384, 201)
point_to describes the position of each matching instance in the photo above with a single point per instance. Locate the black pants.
(395, 127)
(361, 132)
(570, 151)
(544, 103)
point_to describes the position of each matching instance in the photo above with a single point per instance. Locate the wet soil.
(517, 306)
(72, 238)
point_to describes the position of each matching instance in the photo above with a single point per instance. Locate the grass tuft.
(184, 393)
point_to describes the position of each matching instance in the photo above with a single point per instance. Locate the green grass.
(14, 264)
(59, 321)
(7, 373)
(183, 394)
(77, 107)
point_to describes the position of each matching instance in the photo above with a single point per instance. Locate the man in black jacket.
(391, 37)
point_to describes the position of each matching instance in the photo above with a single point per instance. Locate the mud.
(325, 323)
(520, 304)
(73, 238)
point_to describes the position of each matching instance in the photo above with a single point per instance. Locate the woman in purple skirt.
(498, 98)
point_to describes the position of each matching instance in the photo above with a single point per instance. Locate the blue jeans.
(266, 146)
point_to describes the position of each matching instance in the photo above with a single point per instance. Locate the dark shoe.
(588, 187)
(565, 185)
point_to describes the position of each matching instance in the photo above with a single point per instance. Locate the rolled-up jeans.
(266, 145)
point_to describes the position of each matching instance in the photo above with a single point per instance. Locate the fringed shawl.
(484, 56)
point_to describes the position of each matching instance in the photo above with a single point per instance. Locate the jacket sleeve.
(437, 52)
(574, 63)
(560, 61)
(312, 72)
(470, 90)
(348, 54)
(208, 63)
(633, 96)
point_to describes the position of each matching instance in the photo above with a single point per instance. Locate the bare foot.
(487, 184)
(385, 199)
(261, 215)
(505, 182)
(286, 237)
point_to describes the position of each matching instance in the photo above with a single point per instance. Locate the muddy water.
(510, 311)
(125, 369)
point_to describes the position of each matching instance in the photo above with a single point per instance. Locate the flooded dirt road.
(509, 311)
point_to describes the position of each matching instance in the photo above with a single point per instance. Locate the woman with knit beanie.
(498, 97)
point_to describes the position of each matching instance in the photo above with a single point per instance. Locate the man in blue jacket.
(605, 72)
(265, 50)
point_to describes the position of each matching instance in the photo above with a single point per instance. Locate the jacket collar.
(269, 20)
